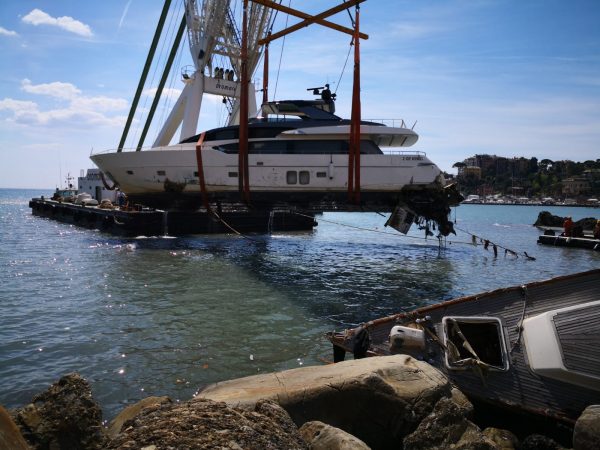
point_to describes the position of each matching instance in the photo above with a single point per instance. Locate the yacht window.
(474, 341)
(301, 147)
(130, 172)
(195, 174)
(321, 174)
(268, 147)
(304, 177)
(161, 173)
(318, 147)
(228, 148)
(292, 177)
(227, 133)
(369, 148)
(233, 174)
(265, 132)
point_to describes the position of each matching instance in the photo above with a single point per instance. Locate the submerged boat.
(534, 347)
(297, 152)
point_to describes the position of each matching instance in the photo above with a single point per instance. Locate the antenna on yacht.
(69, 179)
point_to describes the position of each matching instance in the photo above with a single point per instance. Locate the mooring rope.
(218, 217)
(485, 242)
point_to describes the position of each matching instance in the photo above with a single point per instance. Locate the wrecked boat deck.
(533, 348)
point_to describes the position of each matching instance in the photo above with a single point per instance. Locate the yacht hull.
(168, 177)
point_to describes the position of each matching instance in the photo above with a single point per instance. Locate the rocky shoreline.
(393, 402)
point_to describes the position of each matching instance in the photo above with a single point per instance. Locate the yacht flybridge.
(295, 153)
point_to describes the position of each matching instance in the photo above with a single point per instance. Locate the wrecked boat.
(533, 347)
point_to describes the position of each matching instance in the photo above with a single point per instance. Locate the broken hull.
(518, 387)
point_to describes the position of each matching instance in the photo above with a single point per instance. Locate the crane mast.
(213, 31)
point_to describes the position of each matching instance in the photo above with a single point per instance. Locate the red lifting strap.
(354, 150)
(201, 181)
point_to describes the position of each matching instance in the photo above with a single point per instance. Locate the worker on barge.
(568, 227)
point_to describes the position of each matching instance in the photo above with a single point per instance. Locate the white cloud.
(56, 89)
(172, 93)
(5, 32)
(39, 17)
(17, 106)
(78, 110)
(101, 103)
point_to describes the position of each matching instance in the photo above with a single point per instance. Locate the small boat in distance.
(534, 347)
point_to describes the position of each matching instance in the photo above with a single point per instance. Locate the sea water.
(159, 315)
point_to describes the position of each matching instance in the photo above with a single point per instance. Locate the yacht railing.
(386, 150)
(395, 123)
(133, 149)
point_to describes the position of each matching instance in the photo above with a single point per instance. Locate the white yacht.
(298, 150)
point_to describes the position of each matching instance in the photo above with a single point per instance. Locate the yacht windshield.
(294, 110)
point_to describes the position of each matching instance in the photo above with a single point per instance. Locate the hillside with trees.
(490, 174)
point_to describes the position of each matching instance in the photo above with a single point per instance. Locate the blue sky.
(511, 78)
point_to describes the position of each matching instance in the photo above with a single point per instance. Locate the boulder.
(547, 219)
(379, 400)
(540, 442)
(131, 411)
(504, 439)
(587, 429)
(462, 401)
(321, 436)
(63, 417)
(10, 436)
(447, 427)
(204, 424)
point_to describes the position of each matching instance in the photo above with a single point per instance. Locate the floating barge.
(141, 221)
(575, 242)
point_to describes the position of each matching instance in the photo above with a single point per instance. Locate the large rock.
(586, 434)
(10, 436)
(115, 426)
(63, 417)
(379, 400)
(540, 442)
(447, 427)
(321, 436)
(211, 425)
(504, 439)
(547, 219)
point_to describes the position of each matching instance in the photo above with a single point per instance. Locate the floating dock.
(576, 242)
(142, 221)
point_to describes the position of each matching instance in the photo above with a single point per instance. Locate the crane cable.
(281, 54)
(348, 55)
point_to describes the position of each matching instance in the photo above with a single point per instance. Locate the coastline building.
(575, 186)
